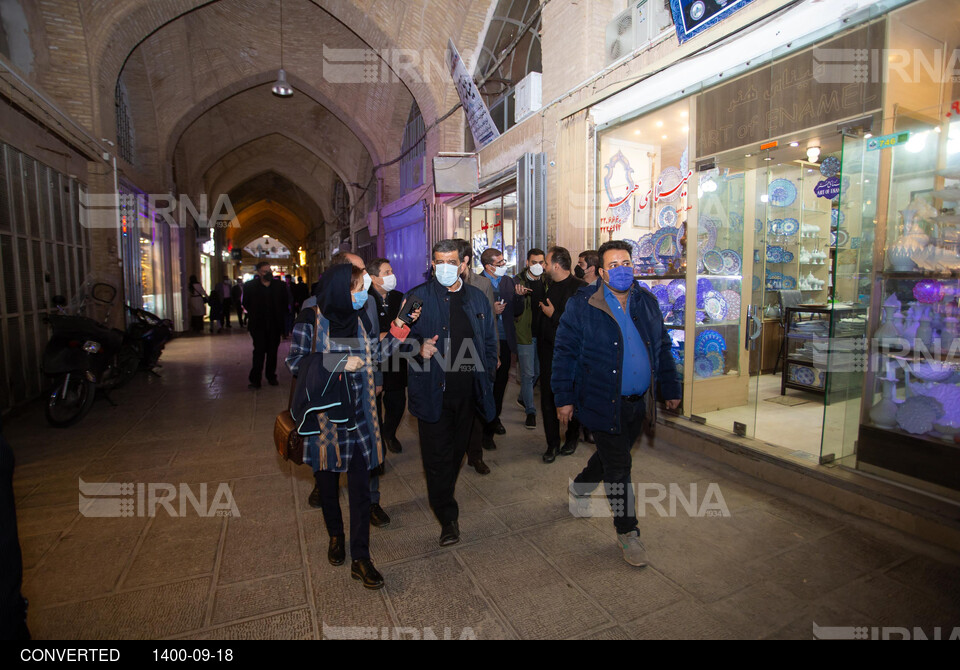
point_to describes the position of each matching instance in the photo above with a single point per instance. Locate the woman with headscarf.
(196, 303)
(335, 378)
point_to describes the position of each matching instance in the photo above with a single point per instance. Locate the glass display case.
(910, 424)
(821, 344)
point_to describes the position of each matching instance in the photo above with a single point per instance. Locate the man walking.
(236, 297)
(563, 285)
(226, 298)
(265, 300)
(506, 308)
(13, 607)
(456, 324)
(392, 402)
(531, 284)
(611, 351)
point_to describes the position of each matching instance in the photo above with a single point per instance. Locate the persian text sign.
(828, 188)
(691, 17)
(785, 97)
(478, 116)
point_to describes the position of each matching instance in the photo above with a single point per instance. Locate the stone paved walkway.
(525, 569)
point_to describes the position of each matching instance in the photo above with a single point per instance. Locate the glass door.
(726, 323)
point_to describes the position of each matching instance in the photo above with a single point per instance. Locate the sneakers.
(634, 552)
(531, 423)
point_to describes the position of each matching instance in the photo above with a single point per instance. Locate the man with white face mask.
(392, 402)
(531, 284)
(507, 306)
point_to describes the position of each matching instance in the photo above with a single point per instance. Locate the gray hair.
(446, 246)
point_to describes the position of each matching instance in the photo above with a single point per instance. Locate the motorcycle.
(84, 355)
(152, 333)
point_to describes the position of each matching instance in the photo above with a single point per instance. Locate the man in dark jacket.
(563, 285)
(265, 299)
(236, 299)
(456, 323)
(531, 284)
(611, 351)
(507, 306)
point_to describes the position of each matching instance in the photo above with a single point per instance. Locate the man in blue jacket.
(451, 378)
(611, 351)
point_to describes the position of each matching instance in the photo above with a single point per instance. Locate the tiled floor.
(777, 566)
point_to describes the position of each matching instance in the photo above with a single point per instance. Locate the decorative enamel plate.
(733, 304)
(830, 166)
(710, 340)
(732, 262)
(713, 262)
(788, 283)
(667, 216)
(782, 193)
(715, 306)
(789, 227)
(675, 289)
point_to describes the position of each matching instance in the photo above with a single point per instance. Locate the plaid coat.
(332, 449)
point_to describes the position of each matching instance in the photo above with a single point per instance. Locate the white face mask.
(500, 271)
(366, 281)
(389, 282)
(536, 270)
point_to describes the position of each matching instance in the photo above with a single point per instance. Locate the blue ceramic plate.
(836, 218)
(732, 262)
(789, 227)
(667, 216)
(782, 193)
(713, 262)
(830, 166)
(715, 305)
(787, 257)
(789, 283)
(709, 340)
(675, 289)
(702, 366)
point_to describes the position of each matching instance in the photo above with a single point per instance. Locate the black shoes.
(498, 427)
(568, 448)
(378, 518)
(314, 499)
(273, 382)
(550, 455)
(337, 553)
(588, 437)
(364, 571)
(531, 423)
(481, 467)
(252, 385)
(450, 534)
(488, 443)
(393, 445)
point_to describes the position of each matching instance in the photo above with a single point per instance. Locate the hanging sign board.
(478, 116)
(692, 17)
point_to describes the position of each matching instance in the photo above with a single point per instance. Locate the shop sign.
(786, 97)
(478, 116)
(692, 17)
(828, 188)
(887, 141)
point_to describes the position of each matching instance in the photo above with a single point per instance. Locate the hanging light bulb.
(280, 87)
(813, 154)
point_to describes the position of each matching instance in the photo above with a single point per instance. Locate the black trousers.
(551, 424)
(227, 308)
(611, 464)
(13, 625)
(391, 404)
(240, 315)
(442, 447)
(500, 383)
(358, 490)
(265, 345)
(475, 447)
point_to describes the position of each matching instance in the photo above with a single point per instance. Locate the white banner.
(478, 116)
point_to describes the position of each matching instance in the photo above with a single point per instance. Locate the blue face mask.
(359, 299)
(447, 274)
(620, 278)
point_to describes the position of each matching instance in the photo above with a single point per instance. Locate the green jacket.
(529, 320)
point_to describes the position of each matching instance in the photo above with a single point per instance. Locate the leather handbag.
(288, 441)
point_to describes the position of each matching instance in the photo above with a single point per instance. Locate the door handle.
(757, 324)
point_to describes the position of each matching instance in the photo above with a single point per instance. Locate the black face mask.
(578, 271)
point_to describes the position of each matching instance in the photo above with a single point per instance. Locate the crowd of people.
(586, 333)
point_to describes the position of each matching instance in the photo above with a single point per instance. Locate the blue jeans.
(529, 371)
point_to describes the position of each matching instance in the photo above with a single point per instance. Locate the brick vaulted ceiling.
(197, 75)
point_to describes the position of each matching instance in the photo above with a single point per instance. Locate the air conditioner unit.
(528, 96)
(636, 26)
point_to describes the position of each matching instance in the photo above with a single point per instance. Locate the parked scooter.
(85, 355)
(151, 333)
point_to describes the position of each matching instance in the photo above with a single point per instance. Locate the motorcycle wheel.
(128, 362)
(70, 398)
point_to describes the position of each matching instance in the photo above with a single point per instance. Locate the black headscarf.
(336, 303)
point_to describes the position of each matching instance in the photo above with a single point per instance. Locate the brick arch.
(234, 177)
(271, 217)
(114, 32)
